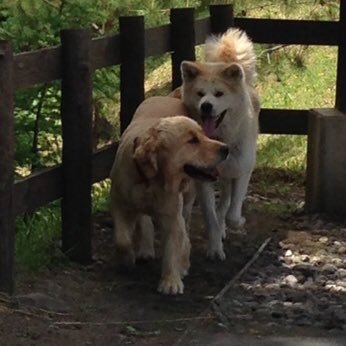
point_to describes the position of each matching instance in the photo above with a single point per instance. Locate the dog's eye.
(218, 94)
(200, 93)
(193, 140)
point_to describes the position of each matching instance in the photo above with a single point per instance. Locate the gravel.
(298, 281)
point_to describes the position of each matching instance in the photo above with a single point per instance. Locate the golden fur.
(149, 180)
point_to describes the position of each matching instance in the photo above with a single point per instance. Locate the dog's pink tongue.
(209, 126)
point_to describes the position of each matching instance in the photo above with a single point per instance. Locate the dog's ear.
(189, 70)
(145, 153)
(233, 72)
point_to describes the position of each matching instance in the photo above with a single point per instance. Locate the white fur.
(238, 129)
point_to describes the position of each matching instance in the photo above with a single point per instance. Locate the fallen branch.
(216, 300)
(272, 49)
(220, 295)
(121, 323)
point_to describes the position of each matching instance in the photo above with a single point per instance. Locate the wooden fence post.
(221, 18)
(76, 113)
(132, 67)
(182, 40)
(340, 101)
(7, 226)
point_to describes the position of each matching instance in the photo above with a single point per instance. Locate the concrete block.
(326, 162)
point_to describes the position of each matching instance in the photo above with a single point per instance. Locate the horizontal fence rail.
(41, 188)
(44, 65)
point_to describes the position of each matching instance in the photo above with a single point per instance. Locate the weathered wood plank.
(132, 67)
(287, 31)
(45, 186)
(157, 40)
(39, 66)
(37, 190)
(202, 30)
(340, 99)
(103, 162)
(105, 51)
(7, 228)
(76, 114)
(221, 18)
(284, 121)
(43, 65)
(182, 40)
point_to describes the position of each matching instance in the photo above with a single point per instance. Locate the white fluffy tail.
(233, 46)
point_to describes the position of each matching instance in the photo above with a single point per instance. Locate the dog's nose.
(224, 151)
(206, 107)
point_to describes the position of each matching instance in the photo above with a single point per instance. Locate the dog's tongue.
(209, 126)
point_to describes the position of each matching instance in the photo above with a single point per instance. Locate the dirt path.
(96, 305)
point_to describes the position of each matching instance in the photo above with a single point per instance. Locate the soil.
(72, 304)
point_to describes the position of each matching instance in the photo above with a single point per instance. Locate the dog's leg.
(189, 199)
(223, 205)
(176, 252)
(206, 197)
(146, 238)
(234, 217)
(124, 225)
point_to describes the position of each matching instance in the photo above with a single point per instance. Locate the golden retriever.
(157, 156)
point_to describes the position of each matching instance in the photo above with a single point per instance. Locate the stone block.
(326, 162)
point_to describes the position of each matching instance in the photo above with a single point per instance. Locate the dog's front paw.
(216, 253)
(236, 224)
(145, 254)
(171, 285)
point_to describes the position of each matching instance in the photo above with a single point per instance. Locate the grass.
(289, 77)
(37, 237)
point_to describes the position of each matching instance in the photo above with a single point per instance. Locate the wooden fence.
(74, 62)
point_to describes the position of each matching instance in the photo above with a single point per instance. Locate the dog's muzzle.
(201, 173)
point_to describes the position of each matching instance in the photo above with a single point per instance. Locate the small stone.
(305, 258)
(272, 286)
(341, 273)
(277, 314)
(290, 280)
(316, 260)
(321, 279)
(341, 283)
(323, 240)
(329, 269)
(337, 261)
(305, 269)
(337, 243)
(288, 253)
(273, 303)
(303, 321)
(309, 283)
(342, 250)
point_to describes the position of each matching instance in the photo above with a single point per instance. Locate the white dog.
(219, 94)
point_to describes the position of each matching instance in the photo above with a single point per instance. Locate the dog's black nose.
(206, 107)
(224, 151)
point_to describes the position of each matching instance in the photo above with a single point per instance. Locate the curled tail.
(233, 46)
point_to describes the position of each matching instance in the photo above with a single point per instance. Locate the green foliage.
(37, 237)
